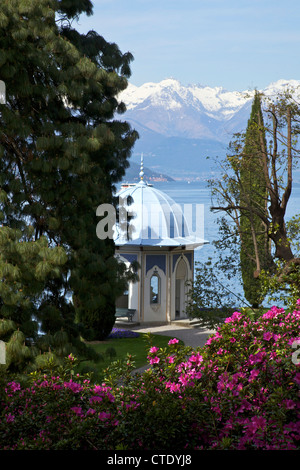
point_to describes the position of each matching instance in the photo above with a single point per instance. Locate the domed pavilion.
(160, 239)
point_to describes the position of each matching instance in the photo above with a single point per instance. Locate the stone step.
(186, 322)
(125, 324)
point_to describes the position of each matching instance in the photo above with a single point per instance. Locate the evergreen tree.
(62, 152)
(254, 253)
(25, 267)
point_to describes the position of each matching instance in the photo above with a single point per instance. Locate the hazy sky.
(236, 44)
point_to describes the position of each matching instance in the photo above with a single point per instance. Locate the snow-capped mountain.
(180, 123)
(169, 93)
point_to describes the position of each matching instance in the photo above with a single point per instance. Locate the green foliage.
(215, 291)
(254, 252)
(210, 301)
(253, 191)
(123, 343)
(285, 286)
(25, 268)
(110, 352)
(293, 231)
(287, 291)
(62, 152)
(119, 372)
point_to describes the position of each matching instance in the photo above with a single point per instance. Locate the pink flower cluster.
(57, 405)
(240, 391)
(249, 366)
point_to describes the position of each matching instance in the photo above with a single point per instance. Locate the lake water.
(199, 193)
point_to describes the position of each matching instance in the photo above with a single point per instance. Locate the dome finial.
(142, 168)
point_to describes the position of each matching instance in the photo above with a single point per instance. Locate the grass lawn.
(115, 348)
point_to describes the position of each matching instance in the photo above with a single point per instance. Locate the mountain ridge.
(180, 126)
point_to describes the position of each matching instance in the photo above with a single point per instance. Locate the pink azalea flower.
(234, 317)
(154, 349)
(173, 341)
(267, 336)
(75, 387)
(9, 418)
(98, 389)
(259, 421)
(289, 404)
(14, 386)
(173, 387)
(197, 358)
(244, 406)
(77, 410)
(183, 379)
(103, 416)
(297, 378)
(253, 374)
(154, 360)
(95, 399)
(258, 357)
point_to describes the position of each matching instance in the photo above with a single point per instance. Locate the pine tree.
(62, 152)
(25, 267)
(254, 253)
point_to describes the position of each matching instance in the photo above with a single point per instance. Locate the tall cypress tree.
(254, 254)
(63, 151)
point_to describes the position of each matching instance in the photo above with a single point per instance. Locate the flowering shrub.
(56, 412)
(240, 391)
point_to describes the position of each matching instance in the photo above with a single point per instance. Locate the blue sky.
(235, 44)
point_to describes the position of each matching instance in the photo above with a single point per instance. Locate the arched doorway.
(180, 288)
